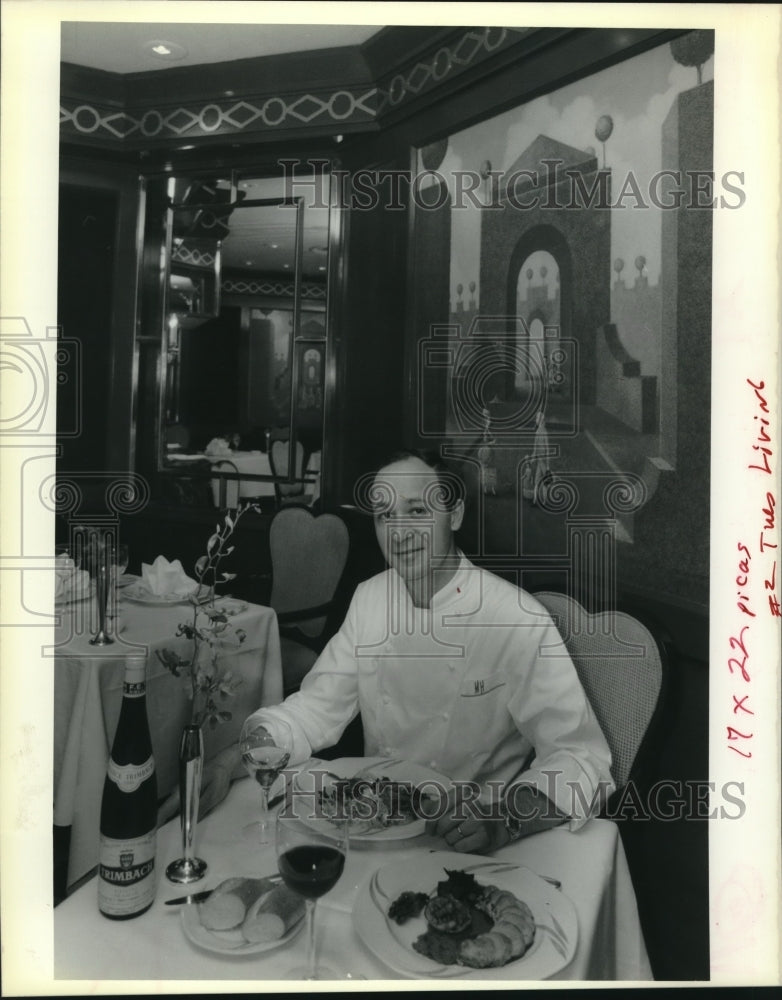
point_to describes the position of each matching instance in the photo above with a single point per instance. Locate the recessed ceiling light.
(165, 50)
(322, 268)
(286, 265)
(228, 93)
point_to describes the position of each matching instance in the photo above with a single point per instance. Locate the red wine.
(312, 869)
(128, 812)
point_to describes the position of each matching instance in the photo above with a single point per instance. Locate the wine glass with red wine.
(311, 864)
(265, 753)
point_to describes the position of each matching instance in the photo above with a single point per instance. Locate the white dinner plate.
(556, 924)
(230, 607)
(228, 942)
(140, 594)
(76, 596)
(394, 768)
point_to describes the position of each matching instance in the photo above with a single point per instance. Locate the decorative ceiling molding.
(138, 123)
(227, 117)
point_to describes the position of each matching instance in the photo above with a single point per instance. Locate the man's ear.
(457, 515)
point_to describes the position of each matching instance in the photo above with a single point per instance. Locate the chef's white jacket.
(469, 687)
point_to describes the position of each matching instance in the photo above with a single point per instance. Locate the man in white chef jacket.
(454, 668)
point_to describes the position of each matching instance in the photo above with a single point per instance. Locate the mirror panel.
(245, 328)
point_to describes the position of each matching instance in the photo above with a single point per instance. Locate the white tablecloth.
(88, 693)
(250, 463)
(152, 948)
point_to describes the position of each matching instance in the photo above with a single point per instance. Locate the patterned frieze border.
(474, 46)
(218, 117)
(134, 126)
(269, 287)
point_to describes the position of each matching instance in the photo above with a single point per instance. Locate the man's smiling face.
(413, 530)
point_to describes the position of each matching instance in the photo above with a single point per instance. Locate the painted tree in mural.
(693, 49)
(603, 130)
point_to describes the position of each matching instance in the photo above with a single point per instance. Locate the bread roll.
(271, 916)
(227, 907)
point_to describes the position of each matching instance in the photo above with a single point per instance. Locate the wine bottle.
(128, 813)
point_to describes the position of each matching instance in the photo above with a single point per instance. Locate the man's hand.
(464, 828)
(215, 782)
(472, 835)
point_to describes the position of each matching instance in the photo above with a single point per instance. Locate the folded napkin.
(69, 582)
(218, 446)
(164, 577)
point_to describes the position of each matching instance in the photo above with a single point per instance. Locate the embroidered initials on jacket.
(476, 688)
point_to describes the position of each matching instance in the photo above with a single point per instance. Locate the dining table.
(88, 695)
(228, 492)
(580, 876)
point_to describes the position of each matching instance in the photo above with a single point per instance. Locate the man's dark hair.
(452, 488)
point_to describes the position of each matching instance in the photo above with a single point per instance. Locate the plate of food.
(139, 593)
(447, 915)
(385, 798)
(244, 916)
(75, 590)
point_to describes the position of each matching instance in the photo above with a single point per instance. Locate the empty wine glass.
(311, 863)
(265, 752)
(120, 558)
(118, 563)
(66, 565)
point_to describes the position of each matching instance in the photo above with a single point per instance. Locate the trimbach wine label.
(126, 874)
(128, 777)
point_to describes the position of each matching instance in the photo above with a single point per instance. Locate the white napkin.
(69, 582)
(164, 577)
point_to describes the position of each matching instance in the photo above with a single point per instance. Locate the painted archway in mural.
(577, 237)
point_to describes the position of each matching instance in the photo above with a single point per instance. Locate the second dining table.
(88, 694)
(580, 876)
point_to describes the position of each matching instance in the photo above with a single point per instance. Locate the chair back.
(620, 667)
(225, 492)
(308, 556)
(278, 459)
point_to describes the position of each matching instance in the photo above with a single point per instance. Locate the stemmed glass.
(118, 563)
(311, 863)
(120, 558)
(265, 752)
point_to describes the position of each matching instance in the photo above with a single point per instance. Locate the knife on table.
(199, 897)
(194, 897)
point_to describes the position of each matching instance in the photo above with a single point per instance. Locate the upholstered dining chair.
(278, 459)
(622, 670)
(308, 557)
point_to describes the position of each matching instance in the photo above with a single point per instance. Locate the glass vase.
(189, 868)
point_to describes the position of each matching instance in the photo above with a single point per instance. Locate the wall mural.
(580, 278)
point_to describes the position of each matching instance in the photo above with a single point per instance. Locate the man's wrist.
(525, 811)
